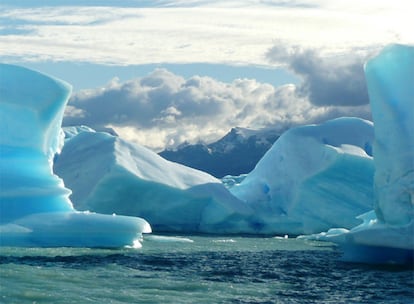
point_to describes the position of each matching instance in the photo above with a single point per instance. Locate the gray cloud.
(336, 80)
(164, 109)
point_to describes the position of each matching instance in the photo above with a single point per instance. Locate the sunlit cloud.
(164, 109)
(231, 32)
(324, 42)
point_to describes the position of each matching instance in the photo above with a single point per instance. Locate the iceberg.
(313, 178)
(35, 209)
(390, 79)
(387, 232)
(324, 186)
(110, 175)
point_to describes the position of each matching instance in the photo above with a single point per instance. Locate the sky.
(163, 72)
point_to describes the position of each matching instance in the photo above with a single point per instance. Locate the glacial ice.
(390, 79)
(313, 178)
(34, 206)
(387, 232)
(110, 175)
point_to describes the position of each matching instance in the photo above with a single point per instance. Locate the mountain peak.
(235, 153)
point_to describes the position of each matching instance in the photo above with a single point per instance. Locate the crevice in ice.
(368, 148)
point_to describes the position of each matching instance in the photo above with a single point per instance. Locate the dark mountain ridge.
(234, 154)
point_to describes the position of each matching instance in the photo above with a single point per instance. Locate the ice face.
(313, 178)
(34, 206)
(387, 232)
(110, 175)
(31, 99)
(390, 79)
(31, 113)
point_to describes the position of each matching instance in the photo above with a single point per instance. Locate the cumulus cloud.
(327, 79)
(164, 109)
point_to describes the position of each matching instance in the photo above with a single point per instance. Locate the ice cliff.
(387, 233)
(390, 79)
(34, 206)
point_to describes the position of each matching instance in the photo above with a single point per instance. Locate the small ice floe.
(285, 237)
(135, 245)
(167, 239)
(224, 241)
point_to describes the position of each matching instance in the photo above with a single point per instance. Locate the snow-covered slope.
(110, 175)
(314, 177)
(34, 205)
(236, 153)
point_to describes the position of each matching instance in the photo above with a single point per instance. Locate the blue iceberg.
(313, 178)
(387, 232)
(35, 209)
(291, 191)
(347, 173)
(110, 175)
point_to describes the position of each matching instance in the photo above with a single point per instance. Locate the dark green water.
(199, 269)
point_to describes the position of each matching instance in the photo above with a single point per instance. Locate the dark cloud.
(135, 102)
(335, 80)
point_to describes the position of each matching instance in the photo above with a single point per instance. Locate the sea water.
(199, 269)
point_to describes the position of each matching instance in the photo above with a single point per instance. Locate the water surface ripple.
(206, 271)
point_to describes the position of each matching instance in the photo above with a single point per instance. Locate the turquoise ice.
(387, 232)
(390, 79)
(314, 177)
(35, 209)
(347, 173)
(110, 175)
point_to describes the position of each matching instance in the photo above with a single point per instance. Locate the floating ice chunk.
(224, 241)
(34, 206)
(167, 239)
(372, 242)
(73, 229)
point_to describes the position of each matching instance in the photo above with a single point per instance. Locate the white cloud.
(165, 109)
(236, 32)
